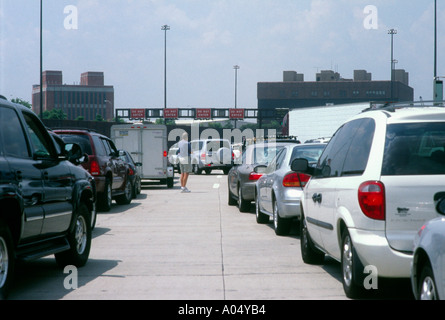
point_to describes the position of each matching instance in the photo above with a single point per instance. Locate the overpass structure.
(202, 114)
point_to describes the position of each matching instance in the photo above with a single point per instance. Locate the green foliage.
(22, 102)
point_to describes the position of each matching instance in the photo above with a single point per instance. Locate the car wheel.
(427, 285)
(349, 266)
(309, 253)
(79, 238)
(231, 201)
(126, 197)
(243, 205)
(196, 169)
(93, 217)
(106, 197)
(260, 216)
(6, 260)
(281, 225)
(138, 186)
(170, 182)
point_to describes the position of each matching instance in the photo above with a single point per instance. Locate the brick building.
(88, 99)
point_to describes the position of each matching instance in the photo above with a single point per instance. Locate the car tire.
(243, 205)
(7, 260)
(106, 197)
(79, 238)
(261, 217)
(309, 253)
(231, 201)
(281, 225)
(427, 289)
(126, 197)
(196, 169)
(350, 264)
(170, 183)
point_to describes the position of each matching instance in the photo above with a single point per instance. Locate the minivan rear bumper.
(374, 250)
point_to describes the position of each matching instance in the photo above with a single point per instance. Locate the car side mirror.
(300, 165)
(74, 153)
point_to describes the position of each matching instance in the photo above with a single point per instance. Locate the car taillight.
(94, 168)
(253, 176)
(130, 172)
(203, 157)
(296, 180)
(165, 154)
(371, 197)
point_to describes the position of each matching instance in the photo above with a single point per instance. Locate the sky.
(207, 38)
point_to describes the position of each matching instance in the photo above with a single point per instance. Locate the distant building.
(330, 88)
(87, 100)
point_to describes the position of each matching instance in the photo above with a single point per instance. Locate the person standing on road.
(185, 150)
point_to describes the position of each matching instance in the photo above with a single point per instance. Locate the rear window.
(414, 149)
(82, 140)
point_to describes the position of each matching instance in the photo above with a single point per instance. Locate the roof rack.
(393, 106)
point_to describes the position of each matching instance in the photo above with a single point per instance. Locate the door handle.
(316, 197)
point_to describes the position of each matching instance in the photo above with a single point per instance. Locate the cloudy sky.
(123, 38)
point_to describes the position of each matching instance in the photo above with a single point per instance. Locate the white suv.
(211, 154)
(375, 185)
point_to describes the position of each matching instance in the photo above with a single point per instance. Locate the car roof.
(77, 131)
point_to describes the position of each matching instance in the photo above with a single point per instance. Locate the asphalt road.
(167, 245)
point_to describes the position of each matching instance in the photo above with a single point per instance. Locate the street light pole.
(236, 83)
(41, 61)
(392, 32)
(438, 84)
(236, 68)
(165, 28)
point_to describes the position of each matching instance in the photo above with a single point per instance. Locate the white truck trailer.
(147, 144)
(321, 122)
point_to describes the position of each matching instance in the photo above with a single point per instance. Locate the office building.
(330, 88)
(88, 100)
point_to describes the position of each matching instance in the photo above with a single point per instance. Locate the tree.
(22, 102)
(55, 114)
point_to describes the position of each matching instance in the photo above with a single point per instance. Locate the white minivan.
(374, 186)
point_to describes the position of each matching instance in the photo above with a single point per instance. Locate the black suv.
(111, 173)
(46, 202)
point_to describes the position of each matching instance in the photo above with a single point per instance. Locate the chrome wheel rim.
(81, 234)
(128, 190)
(428, 289)
(347, 261)
(4, 262)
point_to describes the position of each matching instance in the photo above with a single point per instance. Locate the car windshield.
(82, 140)
(311, 153)
(414, 149)
(260, 154)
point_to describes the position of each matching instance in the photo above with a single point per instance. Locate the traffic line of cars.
(50, 182)
(373, 198)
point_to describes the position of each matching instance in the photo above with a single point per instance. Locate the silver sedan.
(278, 191)
(428, 266)
(242, 178)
